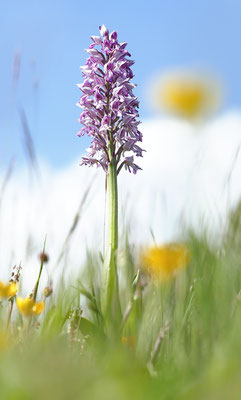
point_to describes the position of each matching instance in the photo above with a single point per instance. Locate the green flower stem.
(39, 276)
(110, 302)
(112, 207)
(10, 312)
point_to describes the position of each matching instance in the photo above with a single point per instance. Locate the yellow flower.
(129, 341)
(28, 307)
(8, 290)
(163, 262)
(187, 95)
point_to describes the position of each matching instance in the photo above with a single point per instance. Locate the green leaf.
(86, 327)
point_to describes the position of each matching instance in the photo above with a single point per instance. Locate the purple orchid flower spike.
(110, 109)
(110, 119)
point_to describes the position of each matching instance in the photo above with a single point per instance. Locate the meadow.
(196, 318)
(132, 320)
(179, 337)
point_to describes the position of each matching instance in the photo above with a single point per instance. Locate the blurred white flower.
(187, 94)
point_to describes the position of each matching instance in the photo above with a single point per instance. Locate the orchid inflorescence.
(109, 106)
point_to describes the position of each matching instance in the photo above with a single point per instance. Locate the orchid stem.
(110, 302)
(113, 207)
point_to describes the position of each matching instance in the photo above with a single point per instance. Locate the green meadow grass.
(196, 316)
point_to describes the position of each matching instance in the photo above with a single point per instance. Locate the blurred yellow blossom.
(186, 94)
(28, 306)
(129, 341)
(8, 290)
(163, 262)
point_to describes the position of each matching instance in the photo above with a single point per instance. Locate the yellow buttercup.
(8, 290)
(163, 262)
(28, 307)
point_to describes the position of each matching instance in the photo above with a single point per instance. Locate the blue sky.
(51, 37)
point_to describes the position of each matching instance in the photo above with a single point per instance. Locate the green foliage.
(178, 340)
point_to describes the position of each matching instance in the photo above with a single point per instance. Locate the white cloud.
(184, 178)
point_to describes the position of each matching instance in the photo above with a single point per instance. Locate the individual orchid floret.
(110, 109)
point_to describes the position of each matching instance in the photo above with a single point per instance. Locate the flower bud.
(103, 30)
(48, 290)
(44, 258)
